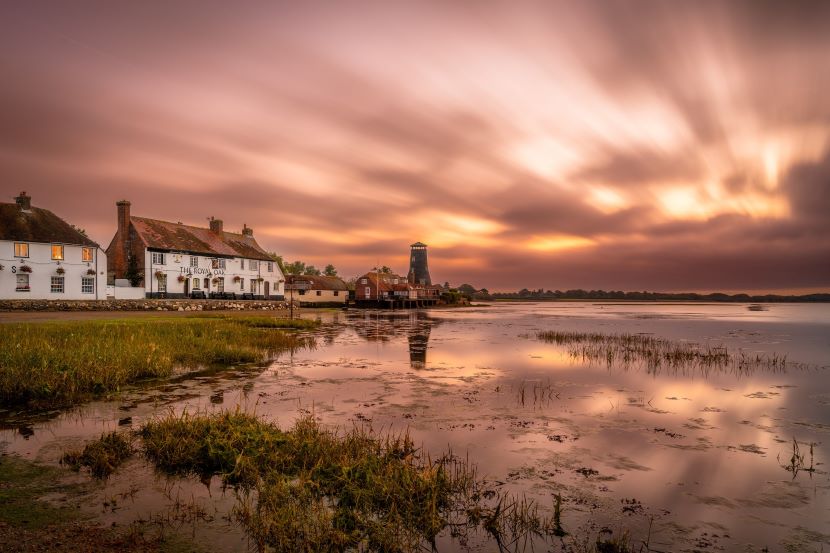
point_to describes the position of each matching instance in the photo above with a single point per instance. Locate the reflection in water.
(383, 326)
(693, 459)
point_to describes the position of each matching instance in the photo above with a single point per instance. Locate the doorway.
(267, 289)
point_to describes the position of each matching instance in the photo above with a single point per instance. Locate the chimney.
(216, 225)
(24, 202)
(123, 218)
(246, 231)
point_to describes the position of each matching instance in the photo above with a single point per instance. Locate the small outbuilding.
(316, 290)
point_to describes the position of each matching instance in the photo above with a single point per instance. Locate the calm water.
(690, 461)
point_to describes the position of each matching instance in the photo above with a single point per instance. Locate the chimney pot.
(247, 231)
(216, 225)
(24, 202)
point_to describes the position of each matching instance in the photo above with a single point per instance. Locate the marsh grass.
(103, 456)
(312, 489)
(656, 354)
(62, 363)
(797, 462)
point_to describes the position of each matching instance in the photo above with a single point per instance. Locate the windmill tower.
(418, 268)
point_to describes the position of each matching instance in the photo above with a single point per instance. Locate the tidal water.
(682, 459)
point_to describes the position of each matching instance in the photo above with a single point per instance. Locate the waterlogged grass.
(658, 353)
(63, 363)
(102, 456)
(322, 490)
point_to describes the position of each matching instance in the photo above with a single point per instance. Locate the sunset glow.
(670, 146)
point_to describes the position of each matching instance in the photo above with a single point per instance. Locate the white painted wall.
(176, 265)
(44, 268)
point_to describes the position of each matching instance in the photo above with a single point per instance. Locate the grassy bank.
(61, 363)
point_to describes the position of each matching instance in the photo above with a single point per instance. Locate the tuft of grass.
(656, 354)
(62, 363)
(102, 456)
(326, 490)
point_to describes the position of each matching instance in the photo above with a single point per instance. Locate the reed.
(102, 457)
(656, 354)
(62, 363)
(327, 490)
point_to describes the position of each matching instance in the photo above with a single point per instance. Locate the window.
(363, 281)
(57, 285)
(253, 265)
(22, 283)
(222, 263)
(319, 293)
(206, 283)
(162, 280)
(86, 254)
(242, 264)
(57, 252)
(87, 285)
(270, 267)
(242, 284)
(158, 258)
(368, 291)
(220, 286)
(195, 283)
(253, 286)
(302, 292)
(214, 263)
(21, 249)
(336, 293)
(194, 261)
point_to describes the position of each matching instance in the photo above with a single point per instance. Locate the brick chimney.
(216, 225)
(247, 231)
(123, 218)
(24, 202)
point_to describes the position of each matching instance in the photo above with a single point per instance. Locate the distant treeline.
(540, 294)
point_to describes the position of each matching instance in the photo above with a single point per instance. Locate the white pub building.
(173, 260)
(43, 257)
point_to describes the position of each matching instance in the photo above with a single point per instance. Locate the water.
(688, 461)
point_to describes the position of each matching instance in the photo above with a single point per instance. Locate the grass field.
(62, 363)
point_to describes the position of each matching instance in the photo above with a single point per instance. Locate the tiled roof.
(314, 282)
(38, 225)
(163, 235)
(386, 281)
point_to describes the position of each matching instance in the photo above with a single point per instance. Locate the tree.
(278, 259)
(385, 270)
(295, 268)
(467, 289)
(311, 270)
(330, 270)
(133, 273)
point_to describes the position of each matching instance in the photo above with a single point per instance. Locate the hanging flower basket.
(237, 278)
(260, 279)
(159, 274)
(90, 272)
(25, 269)
(180, 278)
(60, 270)
(1, 267)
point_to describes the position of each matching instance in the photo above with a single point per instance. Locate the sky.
(637, 145)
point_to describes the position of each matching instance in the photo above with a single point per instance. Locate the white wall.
(176, 265)
(44, 268)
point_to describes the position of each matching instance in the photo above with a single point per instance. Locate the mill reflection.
(385, 326)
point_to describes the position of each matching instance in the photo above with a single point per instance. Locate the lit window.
(158, 258)
(57, 285)
(86, 254)
(194, 261)
(21, 249)
(195, 283)
(87, 285)
(57, 252)
(214, 263)
(22, 283)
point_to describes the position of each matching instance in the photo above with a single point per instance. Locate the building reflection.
(385, 326)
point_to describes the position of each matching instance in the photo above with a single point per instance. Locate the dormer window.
(21, 249)
(57, 252)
